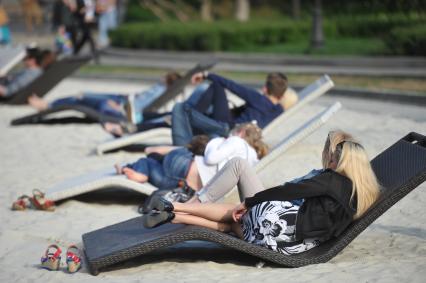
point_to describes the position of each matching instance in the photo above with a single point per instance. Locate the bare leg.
(203, 222)
(219, 212)
(135, 176)
(38, 103)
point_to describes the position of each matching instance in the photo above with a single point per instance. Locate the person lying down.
(289, 218)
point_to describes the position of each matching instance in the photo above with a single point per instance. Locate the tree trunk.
(242, 10)
(317, 40)
(295, 11)
(206, 11)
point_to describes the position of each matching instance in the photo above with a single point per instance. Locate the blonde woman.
(289, 218)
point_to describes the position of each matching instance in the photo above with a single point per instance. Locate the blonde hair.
(352, 162)
(252, 134)
(289, 99)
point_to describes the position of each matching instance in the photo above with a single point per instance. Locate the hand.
(197, 78)
(239, 211)
(150, 149)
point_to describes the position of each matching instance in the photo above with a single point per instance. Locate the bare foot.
(114, 129)
(38, 103)
(118, 169)
(135, 176)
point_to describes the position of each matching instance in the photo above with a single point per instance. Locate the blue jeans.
(106, 22)
(185, 119)
(153, 169)
(98, 102)
(188, 116)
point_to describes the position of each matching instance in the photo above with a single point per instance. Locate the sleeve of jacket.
(250, 96)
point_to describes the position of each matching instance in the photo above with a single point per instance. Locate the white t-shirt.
(219, 151)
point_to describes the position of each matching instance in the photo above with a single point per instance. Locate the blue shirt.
(258, 107)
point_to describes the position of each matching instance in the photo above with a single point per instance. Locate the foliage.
(224, 35)
(407, 40)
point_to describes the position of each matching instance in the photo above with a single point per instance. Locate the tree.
(317, 39)
(206, 10)
(295, 9)
(242, 10)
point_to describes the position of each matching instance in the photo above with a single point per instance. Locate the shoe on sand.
(73, 259)
(52, 258)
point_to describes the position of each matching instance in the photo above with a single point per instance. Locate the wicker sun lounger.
(48, 80)
(92, 116)
(400, 169)
(306, 95)
(108, 179)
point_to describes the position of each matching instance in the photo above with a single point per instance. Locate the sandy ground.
(393, 249)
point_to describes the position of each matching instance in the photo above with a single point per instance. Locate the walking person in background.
(65, 26)
(85, 17)
(32, 13)
(107, 11)
(4, 27)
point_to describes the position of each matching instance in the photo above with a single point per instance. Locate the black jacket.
(327, 209)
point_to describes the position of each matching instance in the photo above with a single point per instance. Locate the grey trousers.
(236, 172)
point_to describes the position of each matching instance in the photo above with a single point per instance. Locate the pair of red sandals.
(37, 201)
(51, 260)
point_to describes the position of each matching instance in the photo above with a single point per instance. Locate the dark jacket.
(327, 209)
(258, 106)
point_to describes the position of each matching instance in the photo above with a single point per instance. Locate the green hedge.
(374, 25)
(224, 35)
(407, 40)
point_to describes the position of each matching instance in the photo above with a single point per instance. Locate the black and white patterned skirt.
(272, 224)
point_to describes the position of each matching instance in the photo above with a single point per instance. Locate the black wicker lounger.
(400, 169)
(44, 117)
(92, 115)
(48, 80)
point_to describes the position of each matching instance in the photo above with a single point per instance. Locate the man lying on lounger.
(13, 83)
(260, 107)
(207, 111)
(127, 107)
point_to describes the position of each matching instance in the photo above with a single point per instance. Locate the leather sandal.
(40, 202)
(73, 259)
(51, 260)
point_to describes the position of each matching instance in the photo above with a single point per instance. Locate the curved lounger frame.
(44, 117)
(48, 80)
(102, 179)
(400, 169)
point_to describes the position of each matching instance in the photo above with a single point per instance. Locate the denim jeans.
(98, 102)
(106, 22)
(190, 115)
(153, 169)
(185, 118)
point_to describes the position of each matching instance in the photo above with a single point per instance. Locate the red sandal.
(51, 260)
(40, 203)
(73, 259)
(22, 203)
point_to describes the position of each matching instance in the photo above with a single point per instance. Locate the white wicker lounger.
(108, 179)
(306, 95)
(10, 57)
